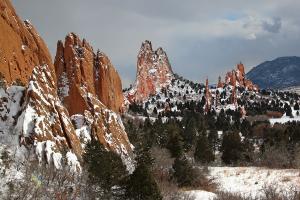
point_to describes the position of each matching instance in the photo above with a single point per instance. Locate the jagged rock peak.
(153, 73)
(237, 78)
(146, 46)
(21, 47)
(79, 69)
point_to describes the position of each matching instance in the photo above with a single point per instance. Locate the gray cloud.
(202, 39)
(273, 27)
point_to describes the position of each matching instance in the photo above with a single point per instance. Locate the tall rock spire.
(240, 79)
(80, 70)
(153, 72)
(90, 88)
(208, 97)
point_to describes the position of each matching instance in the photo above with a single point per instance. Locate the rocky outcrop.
(153, 73)
(90, 88)
(79, 70)
(44, 122)
(60, 108)
(40, 122)
(21, 48)
(237, 78)
(208, 97)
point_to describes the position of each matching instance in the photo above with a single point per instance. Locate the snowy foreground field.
(249, 181)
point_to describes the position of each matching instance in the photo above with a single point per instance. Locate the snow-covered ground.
(249, 181)
(252, 180)
(201, 195)
(285, 119)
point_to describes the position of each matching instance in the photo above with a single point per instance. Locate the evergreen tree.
(288, 110)
(232, 148)
(155, 110)
(296, 106)
(190, 132)
(204, 152)
(183, 172)
(213, 139)
(141, 183)
(105, 168)
(175, 141)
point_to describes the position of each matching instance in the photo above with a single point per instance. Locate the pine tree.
(175, 141)
(296, 106)
(231, 148)
(203, 152)
(213, 139)
(141, 183)
(105, 168)
(288, 110)
(183, 172)
(190, 132)
(155, 110)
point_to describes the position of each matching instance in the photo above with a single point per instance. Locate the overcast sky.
(202, 38)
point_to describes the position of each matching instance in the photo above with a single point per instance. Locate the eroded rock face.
(59, 109)
(90, 88)
(108, 86)
(21, 48)
(79, 70)
(237, 78)
(44, 122)
(153, 73)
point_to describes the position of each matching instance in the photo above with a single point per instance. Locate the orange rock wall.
(21, 48)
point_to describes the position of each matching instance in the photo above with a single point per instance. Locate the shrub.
(275, 157)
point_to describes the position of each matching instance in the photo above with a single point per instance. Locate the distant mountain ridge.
(280, 73)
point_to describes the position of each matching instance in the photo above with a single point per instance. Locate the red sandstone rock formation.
(56, 114)
(153, 73)
(238, 77)
(89, 86)
(44, 118)
(233, 98)
(21, 48)
(208, 97)
(80, 70)
(46, 122)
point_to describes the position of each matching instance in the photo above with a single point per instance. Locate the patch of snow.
(23, 47)
(250, 181)
(201, 195)
(73, 162)
(63, 90)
